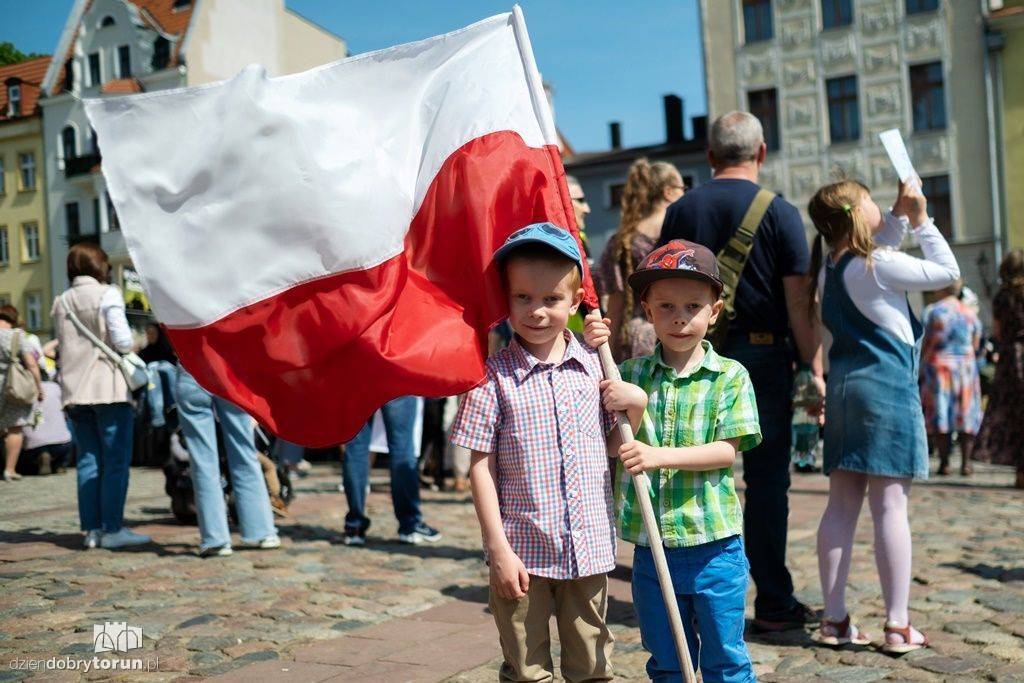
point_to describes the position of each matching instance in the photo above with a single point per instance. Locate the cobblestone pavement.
(317, 610)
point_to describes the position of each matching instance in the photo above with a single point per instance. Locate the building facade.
(826, 76)
(1006, 74)
(24, 266)
(602, 175)
(118, 47)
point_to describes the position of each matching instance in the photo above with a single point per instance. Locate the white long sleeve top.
(880, 292)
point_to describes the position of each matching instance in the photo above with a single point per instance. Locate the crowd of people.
(726, 261)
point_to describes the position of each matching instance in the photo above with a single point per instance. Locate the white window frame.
(14, 97)
(27, 164)
(33, 310)
(26, 255)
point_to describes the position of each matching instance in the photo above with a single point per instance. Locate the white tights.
(887, 498)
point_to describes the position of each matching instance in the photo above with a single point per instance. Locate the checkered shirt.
(713, 402)
(545, 423)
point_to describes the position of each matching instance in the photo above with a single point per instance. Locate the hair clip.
(846, 208)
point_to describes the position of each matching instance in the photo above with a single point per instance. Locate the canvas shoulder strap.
(732, 259)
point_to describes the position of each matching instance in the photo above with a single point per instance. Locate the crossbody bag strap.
(732, 259)
(110, 353)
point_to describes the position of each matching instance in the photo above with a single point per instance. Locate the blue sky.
(608, 60)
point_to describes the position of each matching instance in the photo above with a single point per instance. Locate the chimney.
(616, 130)
(673, 119)
(700, 128)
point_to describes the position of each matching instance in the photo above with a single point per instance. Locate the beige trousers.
(579, 607)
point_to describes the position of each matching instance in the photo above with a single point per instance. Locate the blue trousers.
(766, 472)
(710, 582)
(196, 408)
(399, 415)
(103, 436)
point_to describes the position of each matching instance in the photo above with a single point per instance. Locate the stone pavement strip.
(318, 610)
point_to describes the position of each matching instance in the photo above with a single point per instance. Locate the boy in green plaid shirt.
(692, 411)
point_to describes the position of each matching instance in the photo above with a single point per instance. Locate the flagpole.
(642, 484)
(641, 481)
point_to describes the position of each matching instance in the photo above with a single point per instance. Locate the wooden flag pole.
(642, 483)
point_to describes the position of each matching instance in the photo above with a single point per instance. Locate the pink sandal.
(906, 633)
(837, 633)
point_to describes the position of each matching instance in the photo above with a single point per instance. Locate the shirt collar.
(84, 280)
(526, 362)
(712, 362)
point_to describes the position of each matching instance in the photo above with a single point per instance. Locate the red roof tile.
(31, 73)
(121, 86)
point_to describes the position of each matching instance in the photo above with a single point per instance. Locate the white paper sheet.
(897, 151)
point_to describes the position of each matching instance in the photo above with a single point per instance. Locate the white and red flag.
(320, 243)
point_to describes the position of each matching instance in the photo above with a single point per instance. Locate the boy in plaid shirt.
(539, 473)
(696, 411)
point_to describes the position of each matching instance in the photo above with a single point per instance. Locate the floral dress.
(612, 279)
(950, 384)
(1002, 430)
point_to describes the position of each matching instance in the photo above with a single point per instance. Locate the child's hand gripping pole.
(642, 483)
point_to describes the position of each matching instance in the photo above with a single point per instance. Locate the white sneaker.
(268, 543)
(92, 539)
(216, 551)
(123, 538)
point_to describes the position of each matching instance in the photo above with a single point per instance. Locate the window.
(836, 13)
(764, 105)
(757, 20)
(27, 163)
(915, 6)
(843, 116)
(68, 142)
(3, 186)
(615, 195)
(5, 247)
(107, 21)
(936, 189)
(33, 310)
(30, 241)
(927, 96)
(94, 69)
(124, 62)
(113, 222)
(14, 99)
(96, 222)
(181, 4)
(161, 53)
(69, 75)
(72, 223)
(5, 299)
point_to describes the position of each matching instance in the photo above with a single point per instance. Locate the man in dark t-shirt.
(771, 319)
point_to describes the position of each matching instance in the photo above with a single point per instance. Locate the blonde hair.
(645, 186)
(837, 216)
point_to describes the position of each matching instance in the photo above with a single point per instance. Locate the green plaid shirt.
(715, 401)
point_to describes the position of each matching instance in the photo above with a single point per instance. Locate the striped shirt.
(545, 423)
(713, 402)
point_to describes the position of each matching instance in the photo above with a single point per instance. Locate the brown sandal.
(840, 633)
(904, 632)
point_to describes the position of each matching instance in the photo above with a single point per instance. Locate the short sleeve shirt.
(710, 214)
(545, 424)
(713, 402)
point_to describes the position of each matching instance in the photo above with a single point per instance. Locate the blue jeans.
(103, 436)
(766, 472)
(710, 582)
(160, 394)
(196, 408)
(399, 415)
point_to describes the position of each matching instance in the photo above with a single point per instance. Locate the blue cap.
(547, 234)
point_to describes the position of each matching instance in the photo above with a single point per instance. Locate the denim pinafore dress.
(873, 418)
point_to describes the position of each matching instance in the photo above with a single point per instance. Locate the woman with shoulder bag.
(15, 410)
(97, 395)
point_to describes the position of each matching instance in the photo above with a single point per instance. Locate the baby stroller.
(178, 479)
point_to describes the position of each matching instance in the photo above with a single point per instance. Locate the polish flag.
(318, 244)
